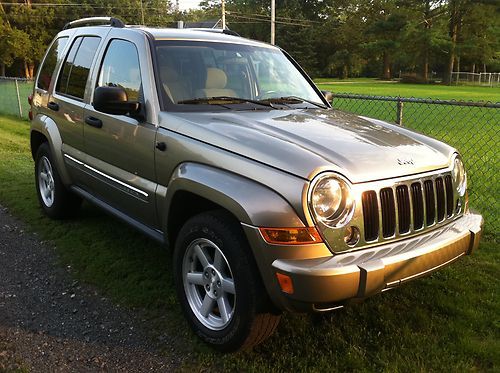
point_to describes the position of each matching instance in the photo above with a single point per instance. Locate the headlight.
(330, 200)
(459, 176)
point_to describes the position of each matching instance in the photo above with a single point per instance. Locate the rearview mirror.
(328, 96)
(114, 100)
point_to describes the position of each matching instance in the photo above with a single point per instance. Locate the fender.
(250, 202)
(46, 126)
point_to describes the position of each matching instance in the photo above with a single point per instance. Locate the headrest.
(168, 74)
(216, 78)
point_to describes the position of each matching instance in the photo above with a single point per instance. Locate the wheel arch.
(195, 188)
(44, 129)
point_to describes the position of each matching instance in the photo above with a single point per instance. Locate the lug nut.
(215, 292)
(206, 274)
(207, 287)
(213, 272)
(218, 284)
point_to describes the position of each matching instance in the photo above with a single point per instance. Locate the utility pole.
(142, 14)
(223, 14)
(273, 21)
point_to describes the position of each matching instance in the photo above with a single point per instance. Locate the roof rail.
(215, 30)
(111, 21)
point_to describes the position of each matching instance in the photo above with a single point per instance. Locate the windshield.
(210, 73)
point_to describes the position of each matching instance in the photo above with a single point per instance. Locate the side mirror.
(328, 96)
(114, 100)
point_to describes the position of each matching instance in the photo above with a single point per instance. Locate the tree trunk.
(26, 70)
(387, 66)
(2, 69)
(427, 28)
(345, 72)
(31, 67)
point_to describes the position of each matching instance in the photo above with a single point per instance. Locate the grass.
(367, 86)
(8, 97)
(449, 321)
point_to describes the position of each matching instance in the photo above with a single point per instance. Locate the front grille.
(405, 207)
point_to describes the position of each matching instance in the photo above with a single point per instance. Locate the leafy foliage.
(377, 38)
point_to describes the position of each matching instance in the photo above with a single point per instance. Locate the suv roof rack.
(111, 21)
(215, 30)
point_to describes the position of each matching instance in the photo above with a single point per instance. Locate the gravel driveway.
(50, 322)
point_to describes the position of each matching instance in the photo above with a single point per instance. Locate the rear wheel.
(218, 284)
(55, 199)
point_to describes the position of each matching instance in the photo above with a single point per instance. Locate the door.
(120, 148)
(66, 104)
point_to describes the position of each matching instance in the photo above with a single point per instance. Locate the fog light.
(285, 282)
(351, 236)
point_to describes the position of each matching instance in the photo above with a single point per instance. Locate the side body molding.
(252, 203)
(46, 126)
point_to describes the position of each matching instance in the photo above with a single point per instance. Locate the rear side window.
(120, 68)
(76, 68)
(54, 55)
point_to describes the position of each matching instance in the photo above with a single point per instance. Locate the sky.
(187, 4)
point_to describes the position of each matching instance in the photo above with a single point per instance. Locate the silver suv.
(223, 149)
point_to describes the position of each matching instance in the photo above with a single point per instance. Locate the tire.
(56, 200)
(212, 250)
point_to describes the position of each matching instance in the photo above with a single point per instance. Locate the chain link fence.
(471, 127)
(14, 94)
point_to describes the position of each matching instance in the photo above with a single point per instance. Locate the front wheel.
(218, 284)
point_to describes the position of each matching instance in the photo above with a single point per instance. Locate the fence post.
(19, 100)
(399, 112)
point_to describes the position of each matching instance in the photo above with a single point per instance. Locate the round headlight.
(459, 176)
(331, 201)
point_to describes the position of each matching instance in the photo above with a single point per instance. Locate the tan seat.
(215, 84)
(173, 85)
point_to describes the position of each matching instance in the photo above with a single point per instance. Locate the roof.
(211, 35)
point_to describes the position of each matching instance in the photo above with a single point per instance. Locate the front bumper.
(325, 283)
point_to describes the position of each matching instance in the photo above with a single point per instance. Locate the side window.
(54, 55)
(76, 68)
(120, 68)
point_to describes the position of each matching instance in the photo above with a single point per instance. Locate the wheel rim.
(46, 181)
(208, 284)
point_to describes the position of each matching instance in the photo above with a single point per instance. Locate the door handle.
(53, 106)
(94, 122)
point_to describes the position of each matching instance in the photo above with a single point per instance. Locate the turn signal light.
(291, 236)
(285, 282)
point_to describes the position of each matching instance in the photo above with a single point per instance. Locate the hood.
(306, 141)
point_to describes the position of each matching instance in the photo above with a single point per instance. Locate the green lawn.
(447, 322)
(8, 97)
(367, 86)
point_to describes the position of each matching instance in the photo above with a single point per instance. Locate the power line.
(266, 21)
(267, 17)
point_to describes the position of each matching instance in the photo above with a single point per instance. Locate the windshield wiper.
(225, 99)
(293, 100)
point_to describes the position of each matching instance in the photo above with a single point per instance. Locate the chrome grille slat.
(405, 207)
(370, 215)
(388, 210)
(449, 195)
(430, 203)
(418, 205)
(440, 199)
